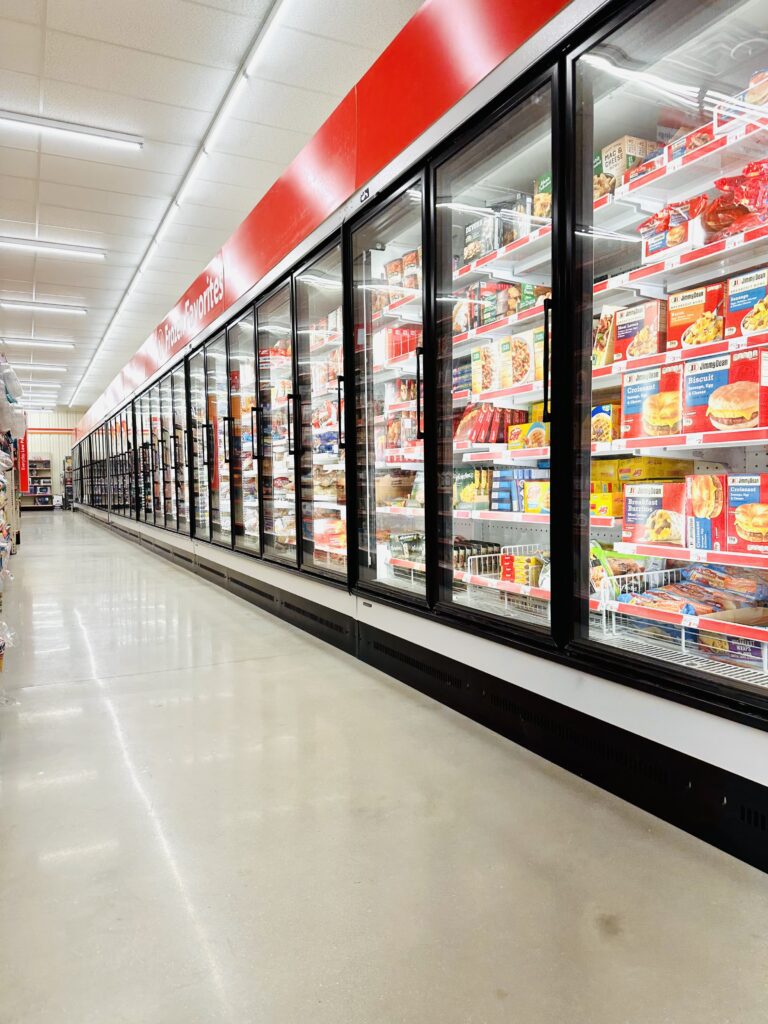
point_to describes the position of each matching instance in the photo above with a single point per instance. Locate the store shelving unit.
(40, 493)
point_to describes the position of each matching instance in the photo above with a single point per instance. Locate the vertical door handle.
(339, 415)
(254, 447)
(203, 445)
(547, 329)
(288, 407)
(419, 356)
(209, 443)
(225, 438)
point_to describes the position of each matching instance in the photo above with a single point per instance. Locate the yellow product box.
(605, 469)
(536, 496)
(485, 366)
(606, 422)
(646, 467)
(538, 354)
(528, 435)
(610, 503)
(537, 412)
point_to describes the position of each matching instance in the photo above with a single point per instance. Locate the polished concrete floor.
(206, 815)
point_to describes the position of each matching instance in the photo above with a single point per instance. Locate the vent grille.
(428, 670)
(753, 818)
(314, 617)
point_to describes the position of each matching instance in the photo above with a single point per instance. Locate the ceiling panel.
(160, 71)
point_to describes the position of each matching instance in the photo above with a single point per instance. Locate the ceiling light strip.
(45, 367)
(33, 306)
(51, 125)
(223, 111)
(35, 343)
(51, 248)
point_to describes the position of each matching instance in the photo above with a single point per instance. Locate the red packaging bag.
(726, 392)
(706, 512)
(651, 402)
(654, 513)
(748, 513)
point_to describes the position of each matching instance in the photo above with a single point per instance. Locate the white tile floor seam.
(207, 815)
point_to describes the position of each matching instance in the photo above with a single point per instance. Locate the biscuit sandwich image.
(734, 406)
(706, 496)
(661, 414)
(751, 522)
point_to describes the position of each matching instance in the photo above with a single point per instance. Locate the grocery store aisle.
(206, 815)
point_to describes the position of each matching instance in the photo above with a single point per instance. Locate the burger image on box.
(654, 513)
(640, 330)
(726, 392)
(748, 513)
(746, 310)
(705, 512)
(695, 316)
(651, 402)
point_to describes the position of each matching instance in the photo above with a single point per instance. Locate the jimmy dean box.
(726, 392)
(746, 310)
(650, 402)
(640, 330)
(654, 513)
(695, 316)
(705, 511)
(748, 513)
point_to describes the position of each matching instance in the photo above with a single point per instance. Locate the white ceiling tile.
(21, 46)
(100, 201)
(30, 11)
(19, 163)
(106, 177)
(341, 19)
(285, 106)
(20, 92)
(24, 189)
(260, 142)
(326, 65)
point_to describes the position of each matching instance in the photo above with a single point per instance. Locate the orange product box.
(726, 392)
(654, 513)
(696, 316)
(748, 513)
(640, 330)
(706, 511)
(651, 402)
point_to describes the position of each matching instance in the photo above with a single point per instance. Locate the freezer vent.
(313, 617)
(434, 673)
(753, 818)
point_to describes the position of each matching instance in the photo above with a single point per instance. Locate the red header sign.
(23, 463)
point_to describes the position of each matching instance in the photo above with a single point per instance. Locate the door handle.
(547, 326)
(342, 443)
(225, 437)
(254, 446)
(288, 407)
(419, 356)
(203, 444)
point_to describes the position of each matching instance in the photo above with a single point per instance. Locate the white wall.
(56, 443)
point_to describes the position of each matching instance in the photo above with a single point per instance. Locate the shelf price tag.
(695, 440)
(689, 621)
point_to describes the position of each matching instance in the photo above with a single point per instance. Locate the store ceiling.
(159, 71)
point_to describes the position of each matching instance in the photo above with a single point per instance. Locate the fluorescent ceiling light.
(36, 343)
(51, 125)
(42, 307)
(46, 367)
(51, 248)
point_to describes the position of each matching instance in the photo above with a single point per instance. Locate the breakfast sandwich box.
(650, 402)
(695, 316)
(706, 511)
(746, 308)
(748, 513)
(640, 330)
(654, 513)
(726, 392)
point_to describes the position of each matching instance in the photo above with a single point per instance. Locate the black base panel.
(715, 805)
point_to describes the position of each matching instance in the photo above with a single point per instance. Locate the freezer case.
(387, 293)
(320, 346)
(217, 404)
(244, 460)
(493, 217)
(672, 254)
(181, 448)
(199, 446)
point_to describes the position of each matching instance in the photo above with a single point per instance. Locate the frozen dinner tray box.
(726, 392)
(654, 513)
(747, 304)
(650, 402)
(695, 316)
(640, 330)
(748, 513)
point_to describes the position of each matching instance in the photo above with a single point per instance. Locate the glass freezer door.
(145, 460)
(167, 453)
(494, 255)
(131, 413)
(672, 252)
(156, 458)
(200, 448)
(244, 412)
(217, 394)
(277, 398)
(387, 295)
(181, 447)
(320, 344)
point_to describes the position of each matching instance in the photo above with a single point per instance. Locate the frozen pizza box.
(726, 392)
(654, 513)
(748, 513)
(651, 402)
(640, 330)
(746, 311)
(706, 511)
(695, 316)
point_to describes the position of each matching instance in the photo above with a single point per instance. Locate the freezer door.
(244, 412)
(217, 395)
(671, 250)
(145, 460)
(167, 453)
(199, 446)
(156, 459)
(320, 341)
(388, 314)
(181, 448)
(493, 220)
(278, 402)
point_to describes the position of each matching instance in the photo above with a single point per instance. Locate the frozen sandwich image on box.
(651, 402)
(748, 513)
(726, 392)
(654, 513)
(705, 512)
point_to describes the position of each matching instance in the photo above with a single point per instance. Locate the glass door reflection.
(217, 396)
(199, 445)
(166, 453)
(244, 461)
(180, 448)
